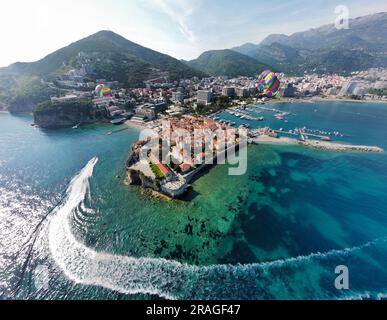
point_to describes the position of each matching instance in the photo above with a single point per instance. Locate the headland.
(169, 162)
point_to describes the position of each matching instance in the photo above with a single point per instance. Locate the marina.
(308, 137)
(302, 134)
(247, 113)
(243, 115)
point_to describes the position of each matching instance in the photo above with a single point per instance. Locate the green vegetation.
(157, 172)
(326, 60)
(66, 113)
(379, 92)
(112, 57)
(82, 106)
(219, 103)
(227, 63)
(23, 92)
(355, 97)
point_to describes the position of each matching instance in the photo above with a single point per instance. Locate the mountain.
(274, 38)
(111, 56)
(227, 63)
(327, 49)
(366, 30)
(106, 55)
(283, 57)
(245, 48)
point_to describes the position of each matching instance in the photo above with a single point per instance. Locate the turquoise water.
(277, 232)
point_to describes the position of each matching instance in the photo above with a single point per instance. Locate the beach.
(136, 125)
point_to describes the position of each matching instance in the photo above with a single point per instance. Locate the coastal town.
(200, 105)
(174, 160)
(161, 95)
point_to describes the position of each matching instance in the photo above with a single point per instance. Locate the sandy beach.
(136, 125)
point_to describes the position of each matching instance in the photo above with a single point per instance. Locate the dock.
(316, 144)
(303, 136)
(244, 115)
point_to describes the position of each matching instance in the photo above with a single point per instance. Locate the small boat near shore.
(118, 121)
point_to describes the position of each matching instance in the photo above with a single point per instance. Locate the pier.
(303, 136)
(244, 115)
(258, 136)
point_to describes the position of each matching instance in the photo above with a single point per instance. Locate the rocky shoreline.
(67, 114)
(338, 147)
(137, 176)
(58, 121)
(322, 145)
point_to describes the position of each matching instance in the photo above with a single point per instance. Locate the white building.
(242, 92)
(146, 111)
(68, 97)
(204, 97)
(228, 92)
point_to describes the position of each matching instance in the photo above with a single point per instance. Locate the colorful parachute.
(102, 91)
(268, 83)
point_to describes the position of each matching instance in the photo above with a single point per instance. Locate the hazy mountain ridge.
(227, 63)
(327, 49)
(245, 48)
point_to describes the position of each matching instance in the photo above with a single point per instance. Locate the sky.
(181, 28)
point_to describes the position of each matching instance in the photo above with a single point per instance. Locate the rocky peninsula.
(66, 114)
(145, 168)
(152, 174)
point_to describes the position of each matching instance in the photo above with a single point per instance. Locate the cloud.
(179, 11)
(181, 28)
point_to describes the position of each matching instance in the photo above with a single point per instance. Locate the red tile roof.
(184, 166)
(157, 162)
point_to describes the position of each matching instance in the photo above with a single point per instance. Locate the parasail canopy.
(268, 83)
(102, 91)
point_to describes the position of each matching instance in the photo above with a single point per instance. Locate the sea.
(71, 229)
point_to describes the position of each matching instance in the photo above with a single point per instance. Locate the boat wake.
(172, 279)
(365, 296)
